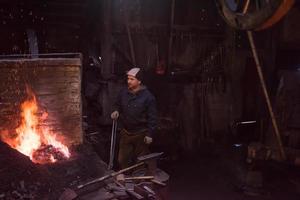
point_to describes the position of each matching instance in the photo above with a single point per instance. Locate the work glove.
(115, 115)
(148, 140)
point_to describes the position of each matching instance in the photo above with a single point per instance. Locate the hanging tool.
(113, 144)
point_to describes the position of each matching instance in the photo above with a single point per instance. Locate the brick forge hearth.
(56, 83)
(53, 84)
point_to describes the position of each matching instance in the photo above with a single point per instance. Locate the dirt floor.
(212, 173)
(221, 174)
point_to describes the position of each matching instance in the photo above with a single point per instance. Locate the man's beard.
(132, 87)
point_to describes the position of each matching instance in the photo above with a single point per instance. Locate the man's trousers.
(131, 146)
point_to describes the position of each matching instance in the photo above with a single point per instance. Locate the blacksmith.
(136, 107)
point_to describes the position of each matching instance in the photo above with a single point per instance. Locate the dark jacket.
(137, 111)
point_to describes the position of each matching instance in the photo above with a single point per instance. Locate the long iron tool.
(113, 144)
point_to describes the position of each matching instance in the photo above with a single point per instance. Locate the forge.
(40, 105)
(41, 134)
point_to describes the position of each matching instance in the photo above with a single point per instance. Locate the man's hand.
(115, 115)
(148, 140)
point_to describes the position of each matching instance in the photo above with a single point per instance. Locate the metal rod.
(110, 175)
(266, 95)
(246, 7)
(129, 35)
(112, 145)
(171, 35)
(132, 53)
(246, 122)
(139, 178)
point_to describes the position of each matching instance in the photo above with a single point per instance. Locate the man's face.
(132, 82)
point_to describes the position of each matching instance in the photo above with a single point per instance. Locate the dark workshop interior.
(225, 75)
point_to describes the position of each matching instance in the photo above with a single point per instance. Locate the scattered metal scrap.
(117, 185)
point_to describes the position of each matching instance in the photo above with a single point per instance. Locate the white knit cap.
(133, 71)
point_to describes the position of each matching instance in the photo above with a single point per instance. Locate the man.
(136, 107)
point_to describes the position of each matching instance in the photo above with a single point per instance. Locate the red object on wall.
(160, 69)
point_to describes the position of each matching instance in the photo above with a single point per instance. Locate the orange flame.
(28, 137)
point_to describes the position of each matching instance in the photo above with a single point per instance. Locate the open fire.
(31, 139)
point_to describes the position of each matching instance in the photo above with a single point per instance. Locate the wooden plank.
(54, 62)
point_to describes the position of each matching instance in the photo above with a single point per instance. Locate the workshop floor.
(215, 175)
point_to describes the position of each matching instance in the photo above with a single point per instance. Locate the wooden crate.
(56, 83)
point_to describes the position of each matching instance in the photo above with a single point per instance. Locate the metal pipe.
(246, 122)
(246, 7)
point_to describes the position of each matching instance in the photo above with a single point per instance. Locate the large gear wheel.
(253, 14)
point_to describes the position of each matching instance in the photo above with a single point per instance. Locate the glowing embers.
(31, 139)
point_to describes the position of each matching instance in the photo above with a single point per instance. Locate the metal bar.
(246, 122)
(139, 178)
(132, 53)
(246, 7)
(131, 192)
(266, 95)
(110, 164)
(171, 35)
(110, 175)
(129, 35)
(112, 144)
